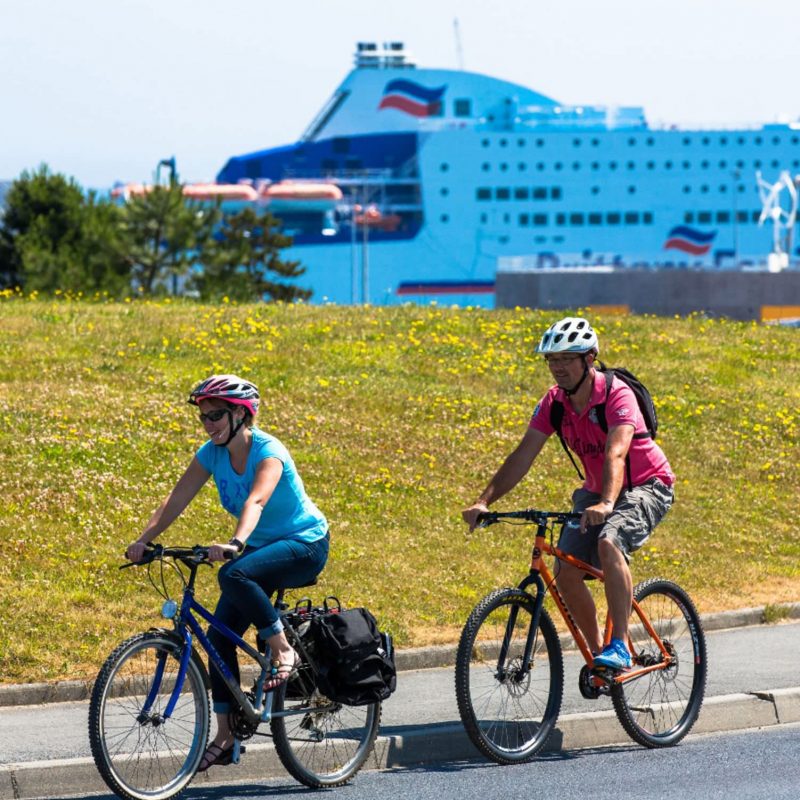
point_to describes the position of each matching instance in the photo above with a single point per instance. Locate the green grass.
(396, 417)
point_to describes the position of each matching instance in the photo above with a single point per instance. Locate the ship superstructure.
(410, 184)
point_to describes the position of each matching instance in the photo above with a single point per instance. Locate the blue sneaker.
(614, 656)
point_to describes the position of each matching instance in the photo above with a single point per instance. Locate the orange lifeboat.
(223, 191)
(373, 218)
(300, 196)
(128, 190)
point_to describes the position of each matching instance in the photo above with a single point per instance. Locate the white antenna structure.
(783, 220)
(459, 51)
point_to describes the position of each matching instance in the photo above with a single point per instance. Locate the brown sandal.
(281, 672)
(216, 756)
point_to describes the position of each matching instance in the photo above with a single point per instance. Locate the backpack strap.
(556, 417)
(600, 410)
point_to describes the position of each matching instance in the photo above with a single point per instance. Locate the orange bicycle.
(510, 668)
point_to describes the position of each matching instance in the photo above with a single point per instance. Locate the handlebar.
(197, 554)
(528, 515)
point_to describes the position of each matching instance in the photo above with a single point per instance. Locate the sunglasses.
(214, 416)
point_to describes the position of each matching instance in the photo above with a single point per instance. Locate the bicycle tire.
(509, 717)
(327, 745)
(148, 759)
(660, 708)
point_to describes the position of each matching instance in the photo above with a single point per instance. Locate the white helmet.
(569, 335)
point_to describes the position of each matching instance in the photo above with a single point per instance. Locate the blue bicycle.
(149, 714)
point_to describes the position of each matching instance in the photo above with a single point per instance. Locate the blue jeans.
(247, 583)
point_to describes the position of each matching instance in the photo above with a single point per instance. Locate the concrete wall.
(739, 295)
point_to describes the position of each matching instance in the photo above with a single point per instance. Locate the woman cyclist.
(281, 537)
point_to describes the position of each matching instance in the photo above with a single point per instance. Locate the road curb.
(29, 694)
(412, 746)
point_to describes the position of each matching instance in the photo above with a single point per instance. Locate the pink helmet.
(230, 388)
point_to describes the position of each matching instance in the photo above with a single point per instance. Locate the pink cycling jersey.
(586, 439)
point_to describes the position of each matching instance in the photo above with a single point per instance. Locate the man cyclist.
(616, 518)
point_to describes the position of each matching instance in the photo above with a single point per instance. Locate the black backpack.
(355, 659)
(643, 399)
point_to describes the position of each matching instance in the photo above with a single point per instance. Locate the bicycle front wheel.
(508, 711)
(140, 754)
(319, 742)
(660, 708)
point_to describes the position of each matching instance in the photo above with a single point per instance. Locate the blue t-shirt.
(289, 513)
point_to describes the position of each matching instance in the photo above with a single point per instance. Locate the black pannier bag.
(355, 659)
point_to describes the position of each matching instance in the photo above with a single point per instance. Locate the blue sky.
(103, 89)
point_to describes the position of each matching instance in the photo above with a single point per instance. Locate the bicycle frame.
(544, 580)
(187, 625)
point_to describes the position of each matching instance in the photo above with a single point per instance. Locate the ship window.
(540, 142)
(774, 163)
(539, 193)
(723, 140)
(647, 217)
(704, 165)
(504, 167)
(650, 141)
(329, 164)
(595, 142)
(540, 219)
(631, 142)
(576, 219)
(687, 189)
(632, 218)
(506, 218)
(444, 218)
(444, 167)
(522, 166)
(687, 140)
(651, 165)
(776, 140)
(706, 140)
(353, 163)
(524, 219)
(631, 165)
(667, 165)
(740, 140)
(723, 164)
(723, 188)
(576, 142)
(795, 140)
(486, 166)
(576, 165)
(758, 140)
(484, 194)
(741, 216)
(688, 217)
(540, 239)
(756, 216)
(484, 218)
(704, 189)
(704, 217)
(444, 191)
(686, 164)
(558, 165)
(795, 163)
(555, 192)
(521, 193)
(484, 142)
(723, 217)
(503, 193)
(739, 164)
(462, 107)
(631, 190)
(595, 219)
(561, 219)
(558, 239)
(595, 165)
(757, 163)
(503, 142)
(540, 166)
(740, 188)
(613, 218)
(520, 143)
(595, 190)
(612, 164)
(341, 145)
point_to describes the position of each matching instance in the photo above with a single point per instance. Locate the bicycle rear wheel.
(508, 713)
(324, 744)
(141, 755)
(660, 708)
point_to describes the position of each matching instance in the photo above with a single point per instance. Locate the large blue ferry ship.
(411, 183)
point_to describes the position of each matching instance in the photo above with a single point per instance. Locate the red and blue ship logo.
(412, 98)
(689, 240)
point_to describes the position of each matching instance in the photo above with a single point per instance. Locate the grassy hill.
(397, 417)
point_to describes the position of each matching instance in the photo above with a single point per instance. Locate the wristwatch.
(239, 545)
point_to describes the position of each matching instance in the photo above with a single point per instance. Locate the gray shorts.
(635, 515)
